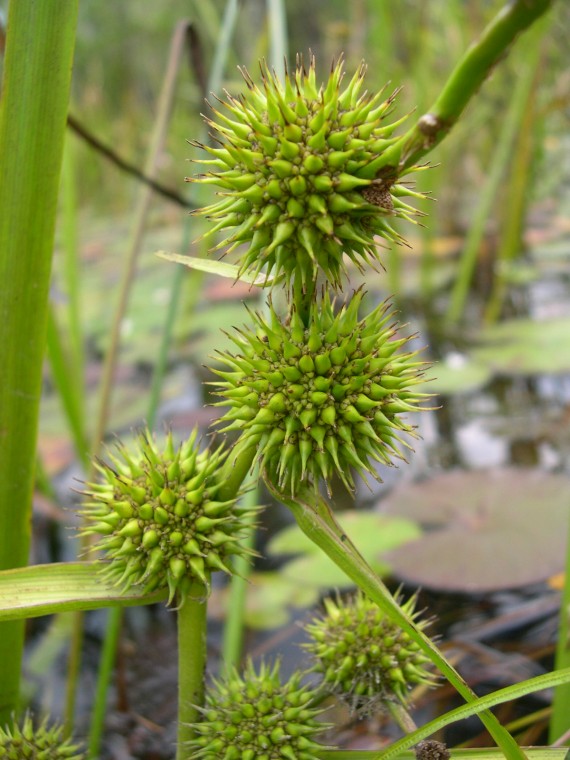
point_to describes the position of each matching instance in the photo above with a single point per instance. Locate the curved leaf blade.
(38, 590)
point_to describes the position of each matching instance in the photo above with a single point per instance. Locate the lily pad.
(271, 597)
(457, 374)
(372, 533)
(490, 529)
(525, 347)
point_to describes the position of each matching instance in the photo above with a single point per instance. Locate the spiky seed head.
(298, 167)
(256, 717)
(365, 658)
(160, 522)
(324, 398)
(25, 742)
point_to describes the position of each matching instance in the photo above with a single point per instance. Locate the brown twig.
(124, 165)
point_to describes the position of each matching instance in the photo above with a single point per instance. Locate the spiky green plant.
(297, 165)
(363, 656)
(257, 717)
(160, 523)
(25, 742)
(323, 397)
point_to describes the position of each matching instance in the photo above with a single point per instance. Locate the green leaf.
(545, 681)
(38, 590)
(373, 533)
(220, 268)
(526, 347)
(457, 376)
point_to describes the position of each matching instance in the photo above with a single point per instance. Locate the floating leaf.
(457, 375)
(372, 533)
(211, 266)
(525, 347)
(492, 529)
(271, 597)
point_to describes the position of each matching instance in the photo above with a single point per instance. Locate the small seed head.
(24, 742)
(321, 399)
(365, 658)
(255, 715)
(160, 523)
(298, 167)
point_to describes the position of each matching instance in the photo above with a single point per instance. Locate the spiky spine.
(297, 164)
(256, 717)
(363, 656)
(24, 742)
(159, 521)
(324, 398)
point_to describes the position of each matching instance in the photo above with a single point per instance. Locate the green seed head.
(28, 743)
(298, 165)
(363, 656)
(159, 520)
(256, 716)
(321, 399)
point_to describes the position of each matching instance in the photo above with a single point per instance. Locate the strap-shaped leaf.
(38, 590)
(221, 268)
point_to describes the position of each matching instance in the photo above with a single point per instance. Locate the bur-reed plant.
(309, 175)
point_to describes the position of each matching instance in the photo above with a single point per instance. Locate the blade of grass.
(29, 592)
(561, 701)
(480, 753)
(544, 681)
(139, 220)
(495, 175)
(70, 390)
(35, 91)
(517, 193)
(71, 269)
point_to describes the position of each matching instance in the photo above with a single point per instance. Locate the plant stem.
(498, 163)
(35, 91)
(191, 664)
(233, 629)
(465, 80)
(561, 701)
(158, 138)
(316, 520)
(402, 717)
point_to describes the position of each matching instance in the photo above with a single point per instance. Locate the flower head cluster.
(298, 165)
(160, 522)
(321, 397)
(24, 742)
(256, 717)
(363, 656)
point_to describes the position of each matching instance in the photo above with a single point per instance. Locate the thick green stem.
(465, 80)
(319, 524)
(191, 664)
(33, 109)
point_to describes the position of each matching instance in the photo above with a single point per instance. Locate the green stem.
(316, 520)
(104, 675)
(561, 700)
(35, 91)
(402, 717)
(465, 80)
(140, 218)
(191, 664)
(498, 163)
(232, 644)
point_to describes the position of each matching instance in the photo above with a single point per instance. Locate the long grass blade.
(33, 109)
